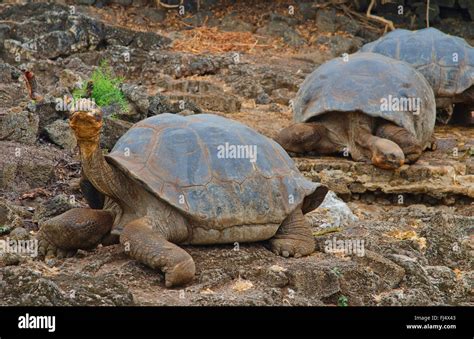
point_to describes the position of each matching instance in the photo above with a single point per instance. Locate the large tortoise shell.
(446, 61)
(359, 84)
(177, 158)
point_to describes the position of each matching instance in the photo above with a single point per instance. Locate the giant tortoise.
(446, 61)
(173, 180)
(370, 106)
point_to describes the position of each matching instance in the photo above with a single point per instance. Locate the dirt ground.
(415, 224)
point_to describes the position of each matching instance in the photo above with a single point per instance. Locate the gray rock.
(19, 233)
(11, 216)
(326, 20)
(60, 134)
(160, 104)
(281, 27)
(9, 259)
(84, 2)
(282, 96)
(22, 286)
(70, 80)
(112, 130)
(263, 99)
(199, 18)
(308, 10)
(138, 97)
(443, 277)
(19, 126)
(26, 167)
(231, 23)
(333, 212)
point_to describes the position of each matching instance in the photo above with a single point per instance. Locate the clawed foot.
(46, 249)
(180, 274)
(292, 247)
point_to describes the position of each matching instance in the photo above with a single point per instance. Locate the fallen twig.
(388, 23)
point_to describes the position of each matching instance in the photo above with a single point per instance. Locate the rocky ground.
(413, 227)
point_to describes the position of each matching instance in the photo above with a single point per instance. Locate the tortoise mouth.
(86, 125)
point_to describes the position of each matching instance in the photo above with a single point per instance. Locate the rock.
(149, 41)
(160, 104)
(405, 297)
(447, 240)
(443, 277)
(220, 102)
(19, 126)
(24, 287)
(53, 207)
(9, 259)
(340, 44)
(70, 80)
(231, 23)
(26, 167)
(139, 99)
(416, 273)
(122, 2)
(326, 20)
(112, 130)
(333, 212)
(49, 111)
(84, 2)
(420, 10)
(280, 26)
(60, 134)
(308, 10)
(390, 274)
(314, 281)
(199, 18)
(469, 6)
(11, 216)
(283, 96)
(263, 99)
(155, 14)
(19, 233)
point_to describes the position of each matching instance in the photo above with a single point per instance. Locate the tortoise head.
(86, 121)
(387, 155)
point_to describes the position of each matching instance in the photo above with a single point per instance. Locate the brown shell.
(177, 158)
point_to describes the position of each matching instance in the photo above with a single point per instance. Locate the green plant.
(105, 88)
(4, 229)
(342, 301)
(336, 271)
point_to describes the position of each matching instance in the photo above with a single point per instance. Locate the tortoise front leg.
(408, 143)
(151, 248)
(294, 237)
(305, 138)
(78, 228)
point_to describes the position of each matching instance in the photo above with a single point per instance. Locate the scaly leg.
(151, 248)
(78, 228)
(407, 141)
(294, 237)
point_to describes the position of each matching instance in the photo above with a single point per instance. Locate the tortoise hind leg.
(305, 137)
(78, 228)
(410, 146)
(294, 237)
(151, 248)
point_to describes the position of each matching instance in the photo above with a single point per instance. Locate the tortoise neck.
(96, 168)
